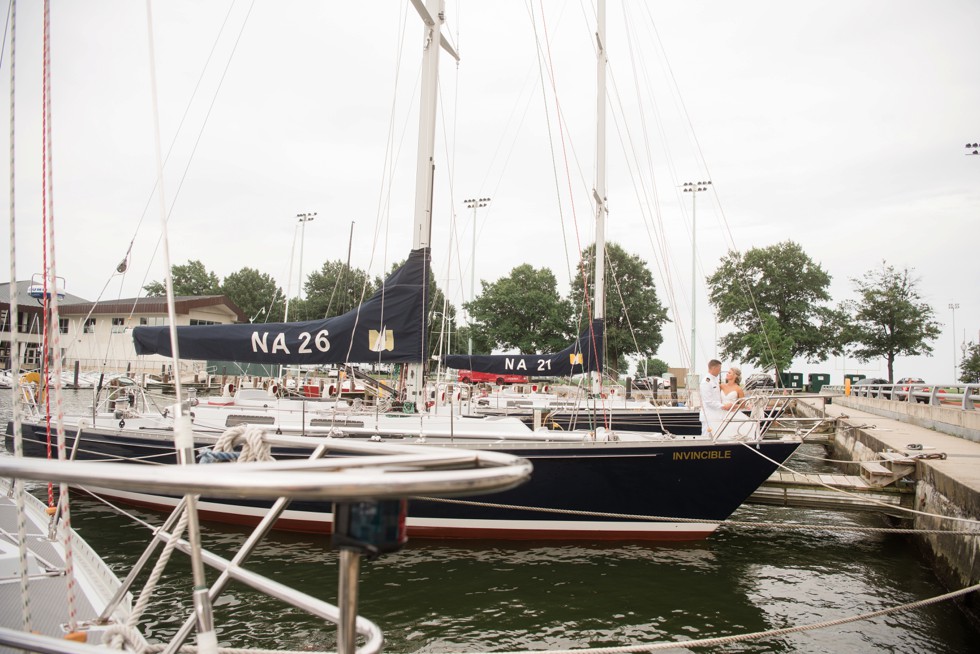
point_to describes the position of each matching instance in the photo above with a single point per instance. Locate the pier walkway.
(947, 488)
(863, 434)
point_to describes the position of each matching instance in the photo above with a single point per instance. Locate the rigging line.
(180, 125)
(758, 635)
(622, 301)
(383, 209)
(453, 226)
(6, 26)
(570, 270)
(53, 318)
(183, 438)
(173, 142)
(630, 25)
(749, 524)
(657, 235)
(746, 287)
(382, 215)
(200, 134)
(869, 500)
(14, 321)
(561, 134)
(633, 167)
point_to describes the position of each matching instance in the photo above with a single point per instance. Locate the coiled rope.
(249, 437)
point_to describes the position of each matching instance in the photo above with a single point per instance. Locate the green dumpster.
(792, 380)
(818, 380)
(854, 378)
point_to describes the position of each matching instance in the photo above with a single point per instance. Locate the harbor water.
(495, 596)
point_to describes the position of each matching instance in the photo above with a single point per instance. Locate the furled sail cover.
(387, 328)
(584, 355)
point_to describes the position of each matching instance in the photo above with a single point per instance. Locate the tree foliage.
(191, 278)
(775, 298)
(481, 342)
(652, 368)
(970, 365)
(889, 318)
(634, 315)
(256, 294)
(522, 311)
(333, 290)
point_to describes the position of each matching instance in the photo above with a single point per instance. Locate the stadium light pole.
(694, 188)
(474, 204)
(303, 219)
(953, 306)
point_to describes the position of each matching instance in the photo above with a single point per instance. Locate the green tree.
(652, 368)
(481, 342)
(191, 278)
(629, 283)
(256, 294)
(889, 318)
(776, 286)
(523, 311)
(970, 366)
(769, 346)
(333, 290)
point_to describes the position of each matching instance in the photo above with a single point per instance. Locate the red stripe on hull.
(302, 526)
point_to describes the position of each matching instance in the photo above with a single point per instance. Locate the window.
(195, 321)
(118, 325)
(89, 326)
(63, 325)
(3, 320)
(32, 355)
(153, 321)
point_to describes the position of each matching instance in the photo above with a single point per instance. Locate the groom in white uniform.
(712, 410)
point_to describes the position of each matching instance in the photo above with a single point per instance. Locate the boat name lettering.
(703, 454)
(260, 341)
(521, 364)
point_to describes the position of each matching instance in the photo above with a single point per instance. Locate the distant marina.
(492, 596)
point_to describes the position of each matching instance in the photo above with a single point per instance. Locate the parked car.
(650, 383)
(901, 392)
(860, 387)
(758, 381)
(469, 376)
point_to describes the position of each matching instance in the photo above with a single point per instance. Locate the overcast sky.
(838, 125)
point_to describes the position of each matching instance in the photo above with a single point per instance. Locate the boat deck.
(48, 584)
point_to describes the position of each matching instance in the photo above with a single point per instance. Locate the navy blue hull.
(572, 483)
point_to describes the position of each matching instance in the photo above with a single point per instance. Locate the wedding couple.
(718, 397)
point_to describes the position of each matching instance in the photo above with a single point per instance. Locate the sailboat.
(592, 485)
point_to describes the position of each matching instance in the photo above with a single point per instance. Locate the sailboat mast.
(599, 305)
(433, 16)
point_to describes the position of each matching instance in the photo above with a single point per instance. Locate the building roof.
(73, 305)
(25, 300)
(183, 304)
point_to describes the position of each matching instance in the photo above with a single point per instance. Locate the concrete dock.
(946, 476)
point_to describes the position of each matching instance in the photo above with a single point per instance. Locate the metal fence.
(961, 396)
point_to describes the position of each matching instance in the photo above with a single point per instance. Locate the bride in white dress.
(739, 426)
(731, 391)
